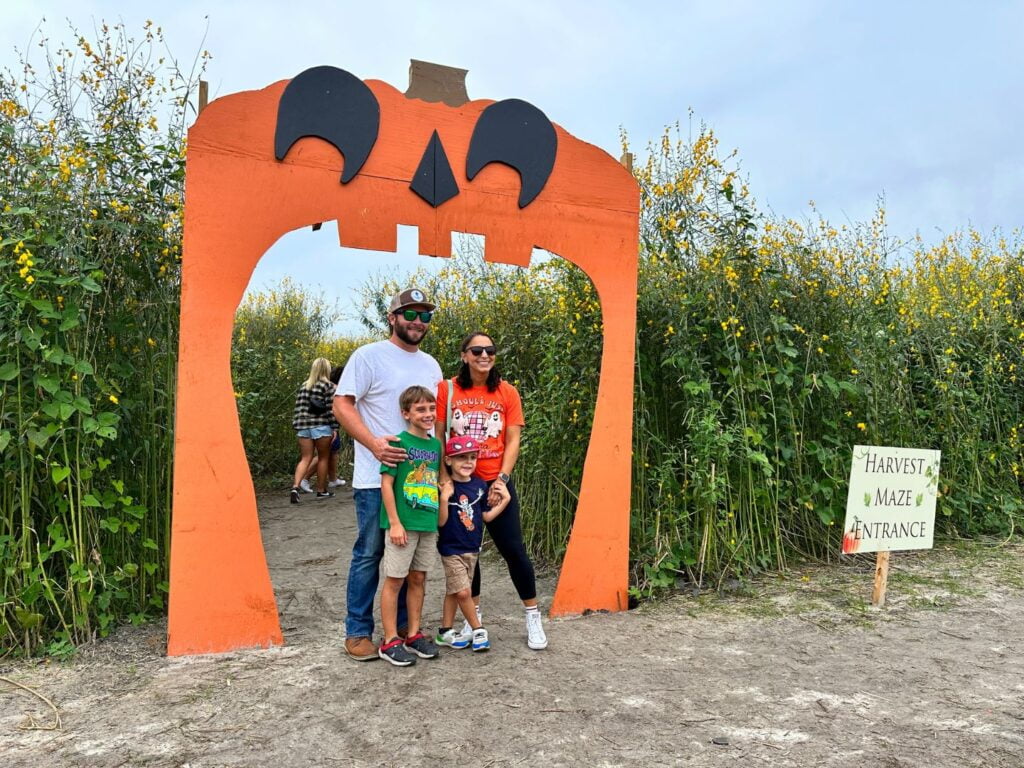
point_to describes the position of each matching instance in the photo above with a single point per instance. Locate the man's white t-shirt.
(375, 375)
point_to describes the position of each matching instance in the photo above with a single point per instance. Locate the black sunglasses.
(412, 314)
(477, 351)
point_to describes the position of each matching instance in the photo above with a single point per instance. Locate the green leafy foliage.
(278, 333)
(89, 249)
(766, 349)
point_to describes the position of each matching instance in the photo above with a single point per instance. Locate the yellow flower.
(862, 426)
(151, 342)
(113, 399)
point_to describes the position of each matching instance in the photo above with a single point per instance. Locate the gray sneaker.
(396, 653)
(421, 646)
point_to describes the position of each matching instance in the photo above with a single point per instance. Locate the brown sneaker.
(360, 648)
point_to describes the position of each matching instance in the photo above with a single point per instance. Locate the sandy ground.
(790, 671)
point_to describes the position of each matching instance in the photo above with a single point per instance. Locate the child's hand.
(497, 493)
(398, 535)
(497, 501)
(447, 489)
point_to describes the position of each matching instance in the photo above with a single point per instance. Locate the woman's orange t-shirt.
(483, 416)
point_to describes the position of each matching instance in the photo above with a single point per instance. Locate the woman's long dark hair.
(463, 377)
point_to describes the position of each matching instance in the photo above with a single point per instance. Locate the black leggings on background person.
(507, 534)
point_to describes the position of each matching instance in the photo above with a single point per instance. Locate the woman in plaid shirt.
(313, 427)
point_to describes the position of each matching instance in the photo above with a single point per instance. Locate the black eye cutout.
(330, 104)
(516, 133)
(334, 105)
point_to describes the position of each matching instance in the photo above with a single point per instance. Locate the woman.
(314, 427)
(333, 481)
(485, 407)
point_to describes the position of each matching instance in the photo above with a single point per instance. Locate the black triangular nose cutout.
(434, 180)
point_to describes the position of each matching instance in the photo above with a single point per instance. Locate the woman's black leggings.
(507, 535)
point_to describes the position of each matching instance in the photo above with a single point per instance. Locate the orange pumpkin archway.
(240, 199)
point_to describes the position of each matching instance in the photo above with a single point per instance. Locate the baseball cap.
(407, 298)
(456, 446)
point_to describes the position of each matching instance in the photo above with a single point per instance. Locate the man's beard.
(403, 332)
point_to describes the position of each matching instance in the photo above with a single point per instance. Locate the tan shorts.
(418, 554)
(458, 571)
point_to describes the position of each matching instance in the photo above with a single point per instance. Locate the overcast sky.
(836, 102)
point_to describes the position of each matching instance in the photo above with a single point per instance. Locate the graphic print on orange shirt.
(484, 416)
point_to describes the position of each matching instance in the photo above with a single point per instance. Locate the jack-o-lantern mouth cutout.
(331, 104)
(264, 163)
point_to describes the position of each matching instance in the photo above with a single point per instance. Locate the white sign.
(891, 504)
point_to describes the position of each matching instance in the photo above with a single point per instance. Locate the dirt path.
(793, 672)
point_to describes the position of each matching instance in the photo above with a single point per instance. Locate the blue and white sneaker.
(452, 639)
(467, 629)
(480, 641)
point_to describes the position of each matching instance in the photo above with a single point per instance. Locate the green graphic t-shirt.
(416, 497)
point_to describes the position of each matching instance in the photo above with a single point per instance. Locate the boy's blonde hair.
(413, 395)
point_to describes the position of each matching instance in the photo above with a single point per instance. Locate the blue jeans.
(364, 571)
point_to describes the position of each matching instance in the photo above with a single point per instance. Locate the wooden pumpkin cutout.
(240, 199)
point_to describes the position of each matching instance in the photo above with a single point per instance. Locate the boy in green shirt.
(409, 504)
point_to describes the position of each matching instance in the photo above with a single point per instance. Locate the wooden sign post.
(890, 505)
(881, 579)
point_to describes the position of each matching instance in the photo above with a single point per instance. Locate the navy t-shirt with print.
(464, 531)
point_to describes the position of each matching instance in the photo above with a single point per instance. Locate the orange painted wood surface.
(239, 200)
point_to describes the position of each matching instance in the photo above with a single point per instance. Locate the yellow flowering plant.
(90, 237)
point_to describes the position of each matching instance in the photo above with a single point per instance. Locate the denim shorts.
(315, 433)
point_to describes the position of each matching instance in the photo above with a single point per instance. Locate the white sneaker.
(480, 640)
(336, 483)
(305, 486)
(466, 633)
(535, 637)
(450, 639)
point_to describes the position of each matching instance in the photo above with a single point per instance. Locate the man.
(366, 406)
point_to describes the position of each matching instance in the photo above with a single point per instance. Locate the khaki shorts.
(458, 571)
(417, 555)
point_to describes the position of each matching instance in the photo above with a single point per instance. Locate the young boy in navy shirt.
(462, 513)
